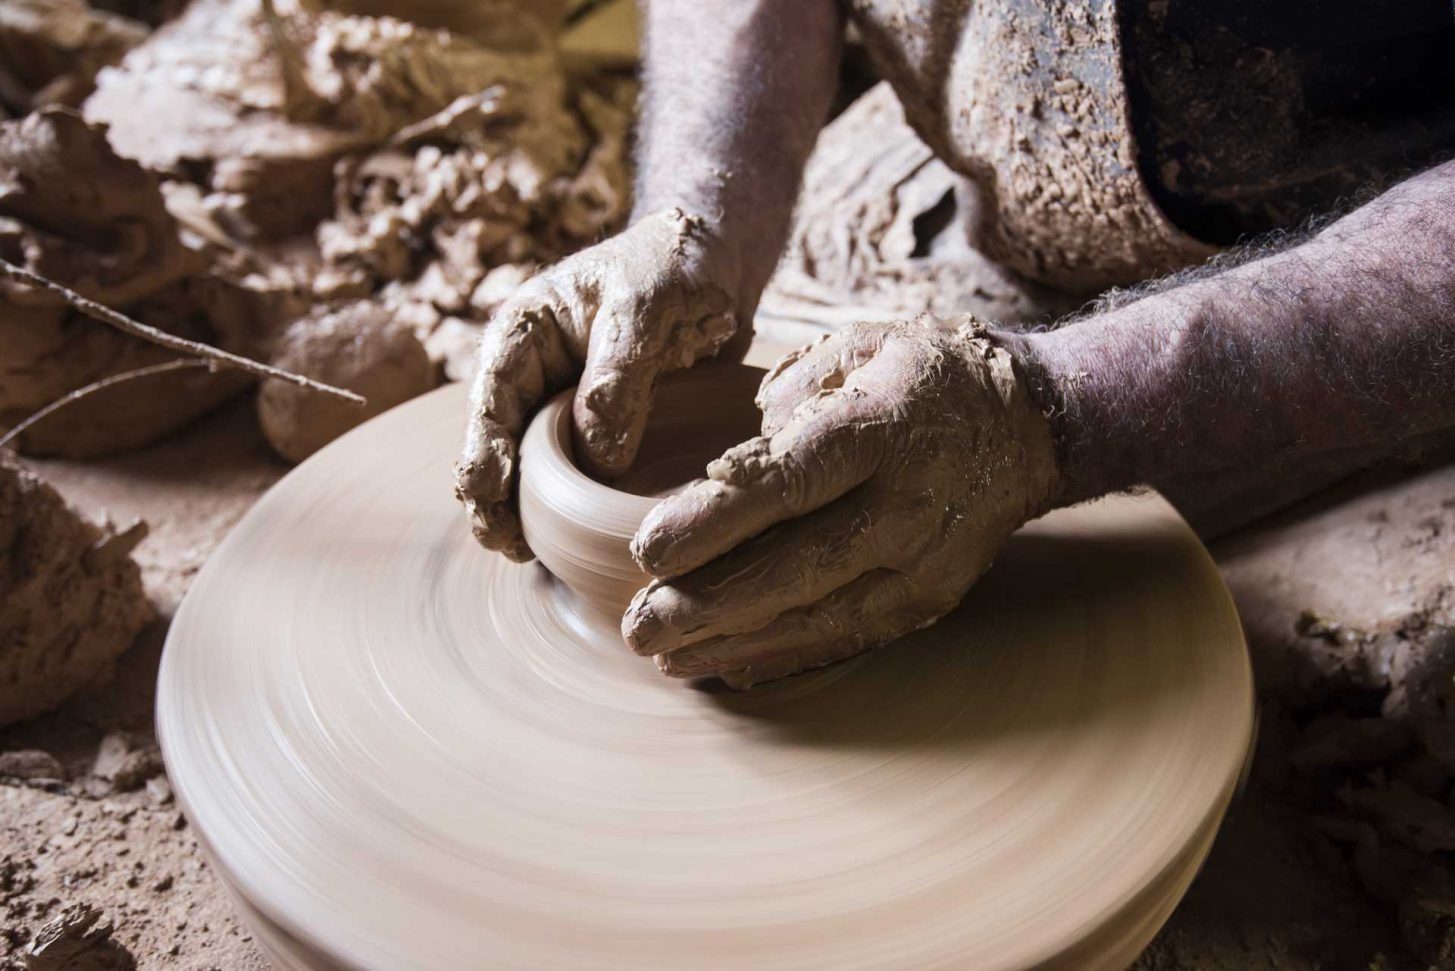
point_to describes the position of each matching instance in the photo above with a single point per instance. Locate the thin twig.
(288, 59)
(123, 323)
(95, 386)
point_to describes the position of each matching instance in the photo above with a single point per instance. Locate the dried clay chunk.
(359, 347)
(71, 597)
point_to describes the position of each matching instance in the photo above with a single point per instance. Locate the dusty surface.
(85, 814)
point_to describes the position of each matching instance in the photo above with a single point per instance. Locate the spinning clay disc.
(404, 752)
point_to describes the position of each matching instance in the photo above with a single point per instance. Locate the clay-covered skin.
(617, 315)
(895, 460)
(358, 347)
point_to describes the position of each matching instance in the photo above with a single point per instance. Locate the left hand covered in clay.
(895, 460)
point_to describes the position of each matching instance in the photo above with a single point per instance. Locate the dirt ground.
(95, 822)
(87, 817)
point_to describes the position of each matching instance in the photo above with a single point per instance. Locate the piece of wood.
(405, 752)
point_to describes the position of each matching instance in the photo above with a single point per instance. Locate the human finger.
(829, 450)
(875, 608)
(523, 357)
(815, 369)
(791, 565)
(634, 340)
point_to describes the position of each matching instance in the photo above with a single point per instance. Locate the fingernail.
(652, 543)
(739, 679)
(640, 626)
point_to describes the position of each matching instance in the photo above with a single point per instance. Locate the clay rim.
(549, 471)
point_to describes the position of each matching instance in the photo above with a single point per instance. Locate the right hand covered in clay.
(895, 460)
(652, 299)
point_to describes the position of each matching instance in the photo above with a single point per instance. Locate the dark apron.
(1115, 140)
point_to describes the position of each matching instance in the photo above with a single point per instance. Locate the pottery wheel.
(404, 752)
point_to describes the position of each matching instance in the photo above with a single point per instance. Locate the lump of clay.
(445, 221)
(215, 96)
(359, 347)
(71, 598)
(75, 212)
(51, 50)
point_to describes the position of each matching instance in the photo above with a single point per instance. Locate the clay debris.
(208, 99)
(458, 209)
(321, 158)
(1358, 728)
(77, 939)
(50, 51)
(74, 212)
(71, 598)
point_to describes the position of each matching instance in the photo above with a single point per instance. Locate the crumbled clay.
(77, 939)
(460, 208)
(206, 94)
(71, 598)
(52, 49)
(104, 231)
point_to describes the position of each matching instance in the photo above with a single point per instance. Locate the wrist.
(1002, 357)
(713, 254)
(1050, 369)
(742, 229)
(1090, 379)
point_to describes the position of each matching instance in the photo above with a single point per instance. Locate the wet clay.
(581, 529)
(1028, 783)
(357, 347)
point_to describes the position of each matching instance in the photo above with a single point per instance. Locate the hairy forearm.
(1346, 339)
(735, 94)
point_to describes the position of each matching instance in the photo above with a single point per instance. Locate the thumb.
(628, 351)
(615, 394)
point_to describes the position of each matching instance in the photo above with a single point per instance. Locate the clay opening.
(696, 416)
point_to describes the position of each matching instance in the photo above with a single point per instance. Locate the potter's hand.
(617, 315)
(895, 460)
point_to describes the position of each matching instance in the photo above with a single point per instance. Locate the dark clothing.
(1253, 115)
